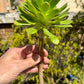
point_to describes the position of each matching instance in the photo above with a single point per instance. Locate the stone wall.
(9, 17)
(6, 30)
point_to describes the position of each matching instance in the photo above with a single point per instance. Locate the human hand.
(20, 60)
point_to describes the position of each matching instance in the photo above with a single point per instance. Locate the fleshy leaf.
(28, 16)
(63, 7)
(66, 22)
(45, 7)
(41, 18)
(52, 37)
(63, 13)
(25, 6)
(39, 2)
(53, 3)
(62, 25)
(19, 22)
(34, 4)
(31, 7)
(24, 18)
(21, 10)
(53, 13)
(61, 16)
(31, 31)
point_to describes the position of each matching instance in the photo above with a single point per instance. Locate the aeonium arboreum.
(41, 15)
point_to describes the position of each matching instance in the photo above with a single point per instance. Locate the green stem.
(41, 46)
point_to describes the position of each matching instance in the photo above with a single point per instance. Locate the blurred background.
(67, 58)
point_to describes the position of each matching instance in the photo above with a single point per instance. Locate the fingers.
(29, 62)
(35, 69)
(33, 49)
(45, 53)
(32, 57)
(32, 61)
(46, 60)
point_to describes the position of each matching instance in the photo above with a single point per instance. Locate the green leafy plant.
(41, 15)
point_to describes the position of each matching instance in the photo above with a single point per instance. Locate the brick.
(5, 31)
(9, 30)
(2, 31)
(4, 4)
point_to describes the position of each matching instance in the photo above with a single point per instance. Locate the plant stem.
(41, 46)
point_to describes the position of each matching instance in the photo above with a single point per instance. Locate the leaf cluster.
(43, 14)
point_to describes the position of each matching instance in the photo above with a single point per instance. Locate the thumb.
(30, 62)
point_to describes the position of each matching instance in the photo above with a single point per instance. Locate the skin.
(20, 60)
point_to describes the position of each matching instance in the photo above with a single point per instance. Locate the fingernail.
(45, 51)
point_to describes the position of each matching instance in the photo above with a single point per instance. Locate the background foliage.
(64, 57)
(12, 2)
